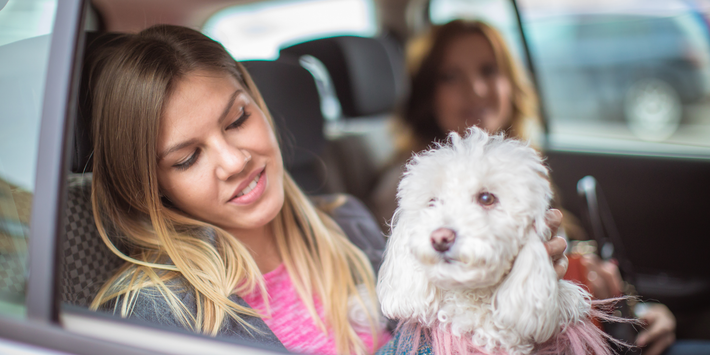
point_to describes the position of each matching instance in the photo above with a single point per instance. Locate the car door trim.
(46, 219)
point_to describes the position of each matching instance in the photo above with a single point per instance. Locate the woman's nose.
(479, 86)
(231, 161)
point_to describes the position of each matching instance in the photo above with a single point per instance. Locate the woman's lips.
(474, 116)
(253, 194)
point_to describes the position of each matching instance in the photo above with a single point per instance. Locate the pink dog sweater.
(290, 321)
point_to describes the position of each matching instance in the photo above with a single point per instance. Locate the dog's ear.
(527, 299)
(402, 285)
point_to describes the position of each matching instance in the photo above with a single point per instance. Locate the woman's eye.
(486, 199)
(489, 70)
(184, 165)
(239, 121)
(448, 77)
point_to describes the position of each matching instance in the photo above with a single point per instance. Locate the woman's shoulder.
(342, 207)
(154, 305)
(383, 198)
(357, 222)
(388, 180)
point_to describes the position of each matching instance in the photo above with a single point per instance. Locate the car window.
(498, 13)
(257, 31)
(630, 78)
(25, 27)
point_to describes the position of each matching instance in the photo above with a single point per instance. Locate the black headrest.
(363, 70)
(291, 95)
(96, 44)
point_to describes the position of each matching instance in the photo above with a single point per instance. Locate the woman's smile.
(474, 116)
(251, 189)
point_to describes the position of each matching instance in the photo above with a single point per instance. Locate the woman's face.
(219, 160)
(471, 88)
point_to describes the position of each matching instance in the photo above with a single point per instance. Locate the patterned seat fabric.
(87, 261)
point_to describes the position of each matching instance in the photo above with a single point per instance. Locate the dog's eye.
(486, 199)
(432, 202)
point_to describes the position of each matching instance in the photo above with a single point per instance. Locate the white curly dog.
(466, 262)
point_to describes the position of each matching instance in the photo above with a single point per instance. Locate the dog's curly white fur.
(495, 283)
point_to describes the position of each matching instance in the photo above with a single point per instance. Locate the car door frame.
(50, 326)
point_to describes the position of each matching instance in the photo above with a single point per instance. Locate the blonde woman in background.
(463, 74)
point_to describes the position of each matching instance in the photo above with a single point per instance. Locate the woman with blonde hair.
(461, 74)
(188, 176)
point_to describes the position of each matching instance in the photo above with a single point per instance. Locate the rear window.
(257, 31)
(498, 13)
(627, 77)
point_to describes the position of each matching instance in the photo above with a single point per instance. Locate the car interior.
(333, 97)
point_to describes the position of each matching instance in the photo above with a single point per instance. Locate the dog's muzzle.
(442, 239)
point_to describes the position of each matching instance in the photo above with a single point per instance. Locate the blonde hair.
(134, 79)
(416, 125)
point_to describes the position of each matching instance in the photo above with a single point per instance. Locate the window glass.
(623, 75)
(25, 26)
(257, 31)
(498, 13)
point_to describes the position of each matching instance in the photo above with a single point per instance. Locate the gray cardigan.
(352, 216)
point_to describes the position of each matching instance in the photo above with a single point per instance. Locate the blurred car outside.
(640, 67)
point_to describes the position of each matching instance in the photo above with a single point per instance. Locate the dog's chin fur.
(452, 277)
(495, 287)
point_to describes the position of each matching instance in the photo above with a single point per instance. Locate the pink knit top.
(290, 320)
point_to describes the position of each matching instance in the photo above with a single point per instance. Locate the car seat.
(87, 263)
(368, 77)
(291, 95)
(362, 69)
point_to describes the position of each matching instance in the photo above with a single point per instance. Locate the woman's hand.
(603, 276)
(660, 329)
(556, 246)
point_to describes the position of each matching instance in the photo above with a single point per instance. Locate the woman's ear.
(402, 286)
(527, 299)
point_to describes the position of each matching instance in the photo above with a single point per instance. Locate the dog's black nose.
(442, 239)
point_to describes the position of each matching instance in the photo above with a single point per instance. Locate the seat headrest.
(291, 95)
(83, 146)
(363, 71)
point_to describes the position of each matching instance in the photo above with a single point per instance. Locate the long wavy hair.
(132, 82)
(416, 124)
